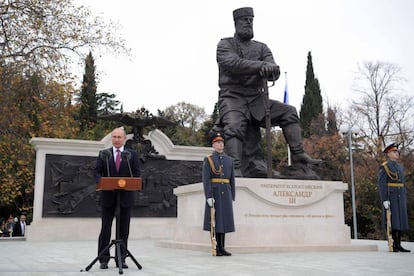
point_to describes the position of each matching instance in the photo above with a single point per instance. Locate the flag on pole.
(286, 101)
(286, 95)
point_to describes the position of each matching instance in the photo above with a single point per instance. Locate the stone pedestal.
(270, 215)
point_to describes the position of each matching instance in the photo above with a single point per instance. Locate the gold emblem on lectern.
(121, 183)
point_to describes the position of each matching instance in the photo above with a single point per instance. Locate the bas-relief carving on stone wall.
(69, 186)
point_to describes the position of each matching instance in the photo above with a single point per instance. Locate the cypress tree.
(311, 107)
(88, 112)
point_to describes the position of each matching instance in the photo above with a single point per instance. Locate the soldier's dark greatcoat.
(392, 188)
(223, 193)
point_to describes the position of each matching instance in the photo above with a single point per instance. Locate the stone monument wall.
(65, 202)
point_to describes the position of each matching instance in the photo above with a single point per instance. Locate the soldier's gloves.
(210, 201)
(386, 204)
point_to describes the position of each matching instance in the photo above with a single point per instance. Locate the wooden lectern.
(120, 183)
(117, 184)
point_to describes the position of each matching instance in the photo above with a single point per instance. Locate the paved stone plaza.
(23, 258)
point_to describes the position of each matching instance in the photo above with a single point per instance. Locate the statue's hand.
(266, 69)
(276, 73)
(270, 70)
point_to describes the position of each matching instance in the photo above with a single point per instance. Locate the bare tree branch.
(382, 111)
(44, 35)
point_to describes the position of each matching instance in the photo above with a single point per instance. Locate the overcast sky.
(174, 46)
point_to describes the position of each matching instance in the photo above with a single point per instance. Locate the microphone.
(127, 155)
(105, 154)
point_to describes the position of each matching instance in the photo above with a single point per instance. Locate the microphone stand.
(107, 154)
(127, 156)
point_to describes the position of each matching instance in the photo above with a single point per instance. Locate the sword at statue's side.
(268, 125)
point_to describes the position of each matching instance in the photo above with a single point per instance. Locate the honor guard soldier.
(220, 192)
(393, 194)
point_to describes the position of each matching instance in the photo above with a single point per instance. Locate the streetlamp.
(349, 131)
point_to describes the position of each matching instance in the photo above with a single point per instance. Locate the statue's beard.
(245, 33)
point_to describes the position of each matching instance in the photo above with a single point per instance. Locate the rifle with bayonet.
(213, 210)
(213, 230)
(389, 234)
(388, 217)
(388, 212)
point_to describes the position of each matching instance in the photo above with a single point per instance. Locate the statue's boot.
(233, 148)
(293, 136)
(304, 158)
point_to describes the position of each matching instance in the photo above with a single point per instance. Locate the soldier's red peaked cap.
(217, 137)
(247, 11)
(391, 147)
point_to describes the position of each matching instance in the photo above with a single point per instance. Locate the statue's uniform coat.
(396, 195)
(240, 83)
(241, 103)
(223, 194)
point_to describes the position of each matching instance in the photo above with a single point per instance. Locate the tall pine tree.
(88, 112)
(311, 107)
(107, 104)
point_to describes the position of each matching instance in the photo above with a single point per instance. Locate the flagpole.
(286, 101)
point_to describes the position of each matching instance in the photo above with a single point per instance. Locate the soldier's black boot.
(400, 248)
(395, 241)
(223, 251)
(293, 136)
(218, 246)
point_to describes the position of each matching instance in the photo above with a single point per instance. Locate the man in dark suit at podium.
(116, 161)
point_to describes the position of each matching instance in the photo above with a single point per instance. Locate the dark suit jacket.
(105, 162)
(17, 230)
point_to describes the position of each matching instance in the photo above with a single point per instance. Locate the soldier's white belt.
(395, 184)
(220, 180)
